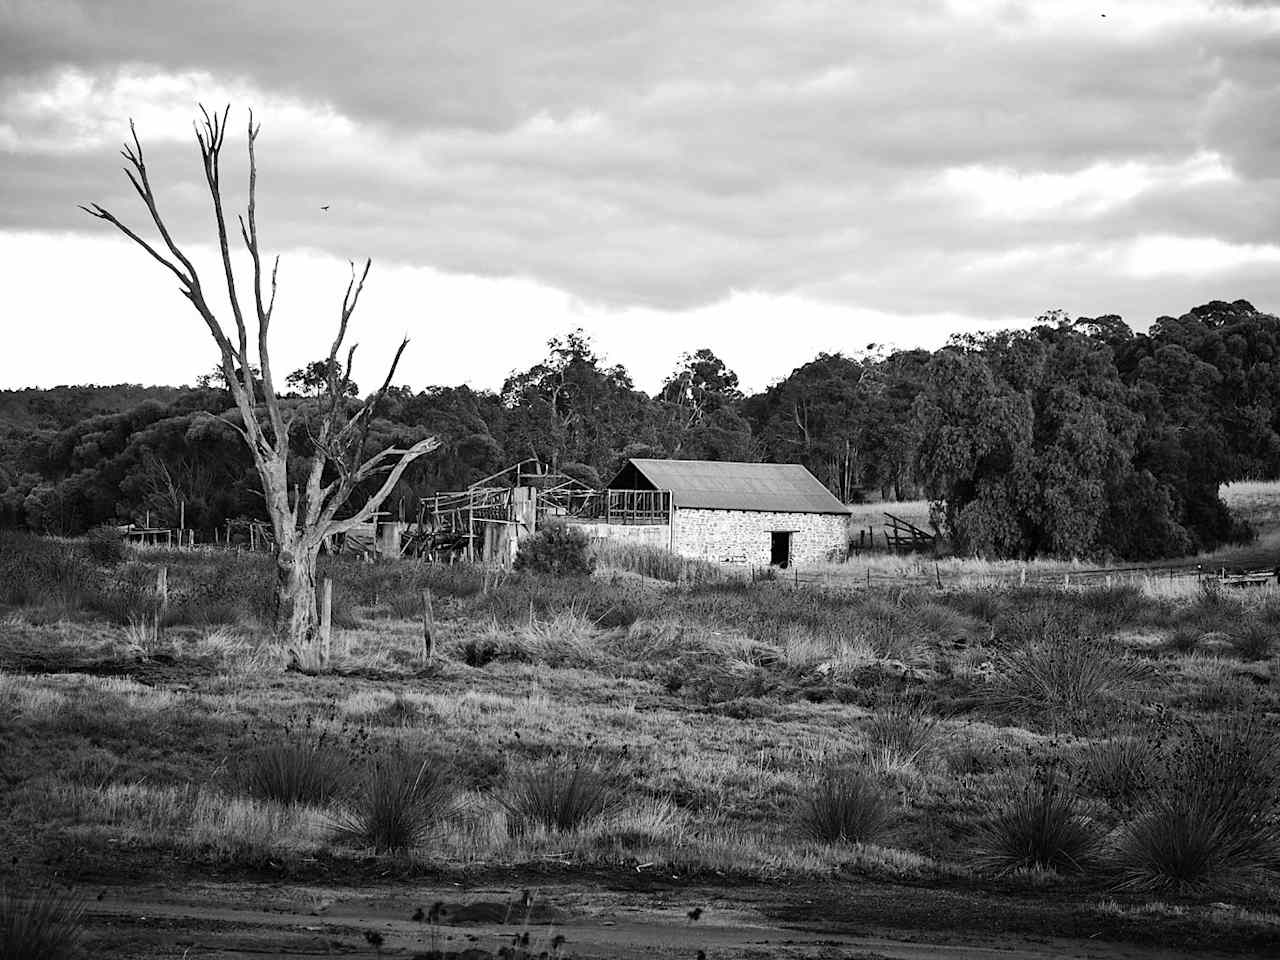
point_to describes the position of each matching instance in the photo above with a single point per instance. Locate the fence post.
(326, 620)
(937, 572)
(428, 627)
(162, 586)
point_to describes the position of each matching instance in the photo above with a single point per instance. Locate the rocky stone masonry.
(740, 536)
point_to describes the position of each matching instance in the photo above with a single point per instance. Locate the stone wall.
(740, 536)
(653, 534)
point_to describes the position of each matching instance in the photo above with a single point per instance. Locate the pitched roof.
(716, 485)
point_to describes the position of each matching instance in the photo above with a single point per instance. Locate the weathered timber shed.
(757, 513)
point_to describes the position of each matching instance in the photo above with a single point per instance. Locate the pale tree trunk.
(296, 614)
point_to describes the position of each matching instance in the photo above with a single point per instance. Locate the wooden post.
(937, 572)
(868, 578)
(428, 628)
(326, 620)
(1022, 577)
(182, 518)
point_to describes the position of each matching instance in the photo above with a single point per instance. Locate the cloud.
(975, 161)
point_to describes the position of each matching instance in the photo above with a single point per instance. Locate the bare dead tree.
(303, 519)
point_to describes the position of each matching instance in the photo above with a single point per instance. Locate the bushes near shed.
(558, 548)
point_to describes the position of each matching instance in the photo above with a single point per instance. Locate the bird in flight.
(324, 206)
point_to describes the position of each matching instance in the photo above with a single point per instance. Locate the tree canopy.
(1076, 438)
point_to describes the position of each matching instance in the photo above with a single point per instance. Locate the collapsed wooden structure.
(485, 521)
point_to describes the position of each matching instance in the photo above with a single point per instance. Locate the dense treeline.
(1075, 438)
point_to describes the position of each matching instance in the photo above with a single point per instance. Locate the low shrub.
(1209, 821)
(1038, 824)
(557, 796)
(401, 799)
(558, 548)
(298, 769)
(846, 807)
(42, 925)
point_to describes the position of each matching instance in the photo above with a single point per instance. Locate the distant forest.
(1077, 438)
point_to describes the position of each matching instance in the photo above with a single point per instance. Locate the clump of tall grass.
(399, 802)
(1038, 823)
(558, 796)
(656, 562)
(1117, 770)
(1254, 640)
(105, 545)
(1184, 638)
(297, 769)
(1113, 607)
(888, 638)
(846, 806)
(43, 925)
(1210, 819)
(565, 639)
(1063, 680)
(38, 570)
(903, 732)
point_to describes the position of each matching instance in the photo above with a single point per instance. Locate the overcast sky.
(768, 178)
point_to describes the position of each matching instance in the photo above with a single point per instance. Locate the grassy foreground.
(1103, 747)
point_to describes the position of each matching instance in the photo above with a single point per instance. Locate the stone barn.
(756, 513)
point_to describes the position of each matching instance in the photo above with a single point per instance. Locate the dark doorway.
(780, 548)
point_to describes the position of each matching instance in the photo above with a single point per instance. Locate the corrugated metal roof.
(715, 485)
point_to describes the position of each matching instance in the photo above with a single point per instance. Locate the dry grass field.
(630, 766)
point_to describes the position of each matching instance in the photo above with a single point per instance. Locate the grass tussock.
(1255, 639)
(1118, 770)
(400, 800)
(655, 562)
(1037, 824)
(846, 806)
(305, 769)
(41, 924)
(557, 796)
(1210, 820)
(1063, 680)
(903, 733)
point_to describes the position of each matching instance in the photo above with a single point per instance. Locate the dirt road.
(276, 920)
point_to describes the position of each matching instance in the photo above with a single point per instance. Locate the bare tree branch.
(371, 505)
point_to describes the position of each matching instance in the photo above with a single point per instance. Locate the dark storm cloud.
(665, 154)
